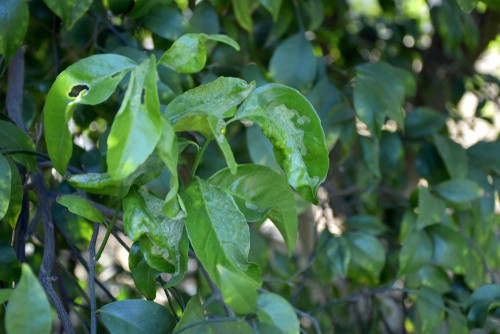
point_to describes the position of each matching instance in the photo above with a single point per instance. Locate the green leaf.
(379, 93)
(14, 16)
(99, 183)
(28, 298)
(143, 275)
(453, 155)
(458, 191)
(273, 6)
(216, 226)
(238, 291)
(467, 5)
(137, 126)
(430, 276)
(81, 207)
(16, 196)
(168, 151)
(5, 294)
(5, 185)
(339, 256)
(89, 81)
(450, 248)
(480, 155)
(293, 63)
(10, 267)
(294, 129)
(276, 310)
(430, 310)
(189, 111)
(162, 240)
(366, 223)
(367, 252)
(370, 148)
(136, 316)
(260, 148)
(70, 11)
(260, 192)
(188, 54)
(218, 127)
(166, 21)
(430, 208)
(242, 11)
(482, 301)
(13, 138)
(415, 253)
(423, 122)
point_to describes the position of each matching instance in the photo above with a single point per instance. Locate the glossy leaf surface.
(276, 310)
(89, 81)
(14, 16)
(294, 129)
(262, 192)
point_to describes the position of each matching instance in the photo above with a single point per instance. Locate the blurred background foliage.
(407, 92)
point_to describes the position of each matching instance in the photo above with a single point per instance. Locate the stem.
(198, 158)
(92, 262)
(24, 151)
(108, 232)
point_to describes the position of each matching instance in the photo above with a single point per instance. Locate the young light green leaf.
(415, 253)
(70, 11)
(238, 291)
(16, 196)
(260, 192)
(482, 301)
(14, 16)
(294, 129)
(189, 111)
(367, 252)
(276, 310)
(379, 93)
(430, 208)
(188, 54)
(28, 298)
(12, 138)
(136, 316)
(5, 185)
(242, 11)
(453, 155)
(216, 226)
(143, 275)
(162, 240)
(137, 126)
(89, 81)
(273, 6)
(458, 191)
(81, 207)
(293, 63)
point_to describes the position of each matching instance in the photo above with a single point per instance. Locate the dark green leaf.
(205, 19)
(273, 6)
(275, 310)
(467, 5)
(430, 208)
(16, 196)
(458, 191)
(481, 156)
(430, 310)
(430, 276)
(262, 191)
(216, 226)
(5, 185)
(12, 138)
(339, 256)
(161, 239)
(366, 223)
(10, 267)
(137, 126)
(481, 302)
(242, 10)
(143, 275)
(238, 291)
(453, 155)
(415, 253)
(14, 16)
(80, 206)
(143, 7)
(422, 122)
(294, 129)
(188, 54)
(99, 183)
(89, 81)
(450, 248)
(28, 298)
(136, 316)
(367, 252)
(293, 63)
(370, 149)
(70, 11)
(260, 148)
(166, 21)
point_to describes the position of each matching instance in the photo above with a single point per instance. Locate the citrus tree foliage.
(177, 131)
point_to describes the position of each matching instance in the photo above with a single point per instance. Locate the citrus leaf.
(81, 207)
(430, 310)
(261, 192)
(137, 126)
(276, 310)
(242, 11)
(482, 301)
(28, 298)
(16, 196)
(238, 291)
(143, 275)
(5, 185)
(14, 16)
(99, 183)
(415, 253)
(70, 11)
(458, 191)
(453, 155)
(13, 138)
(136, 316)
(294, 129)
(422, 122)
(166, 21)
(273, 6)
(430, 208)
(89, 81)
(450, 248)
(367, 252)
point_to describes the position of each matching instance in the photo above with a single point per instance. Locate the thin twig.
(309, 317)
(93, 260)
